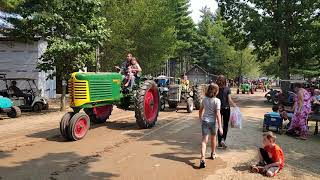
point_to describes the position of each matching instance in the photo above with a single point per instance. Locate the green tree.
(270, 25)
(72, 29)
(215, 52)
(142, 27)
(6, 5)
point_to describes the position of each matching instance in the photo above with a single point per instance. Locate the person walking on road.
(226, 101)
(209, 115)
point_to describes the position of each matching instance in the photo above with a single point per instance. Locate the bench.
(316, 118)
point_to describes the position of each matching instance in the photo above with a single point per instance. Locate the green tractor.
(245, 88)
(96, 93)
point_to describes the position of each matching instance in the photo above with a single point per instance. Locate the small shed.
(198, 75)
(19, 60)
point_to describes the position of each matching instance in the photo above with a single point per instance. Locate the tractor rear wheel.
(190, 105)
(197, 97)
(173, 104)
(64, 125)
(15, 112)
(147, 104)
(79, 126)
(99, 115)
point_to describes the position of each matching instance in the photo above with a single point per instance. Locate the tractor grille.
(77, 90)
(100, 90)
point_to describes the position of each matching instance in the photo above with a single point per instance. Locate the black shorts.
(265, 156)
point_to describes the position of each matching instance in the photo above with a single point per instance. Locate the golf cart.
(29, 99)
(6, 106)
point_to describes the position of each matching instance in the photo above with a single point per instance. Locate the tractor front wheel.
(79, 126)
(147, 104)
(197, 97)
(64, 125)
(189, 105)
(15, 112)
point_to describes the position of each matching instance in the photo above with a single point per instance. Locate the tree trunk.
(284, 65)
(284, 60)
(63, 95)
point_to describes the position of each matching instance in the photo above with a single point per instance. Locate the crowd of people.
(214, 115)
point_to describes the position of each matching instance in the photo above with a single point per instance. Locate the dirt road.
(31, 148)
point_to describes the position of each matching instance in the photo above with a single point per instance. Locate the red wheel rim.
(81, 127)
(151, 104)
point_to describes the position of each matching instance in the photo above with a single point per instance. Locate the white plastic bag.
(236, 118)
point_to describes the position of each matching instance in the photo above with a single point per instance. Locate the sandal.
(302, 138)
(256, 169)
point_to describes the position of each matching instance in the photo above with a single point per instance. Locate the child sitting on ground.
(271, 157)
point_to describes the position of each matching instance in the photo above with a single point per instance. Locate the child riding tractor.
(96, 93)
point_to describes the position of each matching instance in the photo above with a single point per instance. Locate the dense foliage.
(284, 28)
(72, 29)
(215, 52)
(240, 38)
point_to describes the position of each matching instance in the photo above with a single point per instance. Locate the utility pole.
(98, 59)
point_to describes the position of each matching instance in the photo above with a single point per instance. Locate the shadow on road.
(122, 125)
(54, 134)
(174, 157)
(57, 166)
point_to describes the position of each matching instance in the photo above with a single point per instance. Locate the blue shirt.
(274, 114)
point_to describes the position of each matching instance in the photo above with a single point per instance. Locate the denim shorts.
(208, 128)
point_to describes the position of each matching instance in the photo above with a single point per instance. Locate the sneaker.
(213, 156)
(224, 145)
(220, 146)
(202, 164)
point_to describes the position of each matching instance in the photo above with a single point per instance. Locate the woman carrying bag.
(226, 101)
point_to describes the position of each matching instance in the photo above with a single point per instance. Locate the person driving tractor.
(185, 83)
(125, 65)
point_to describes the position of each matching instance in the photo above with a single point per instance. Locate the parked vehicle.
(96, 93)
(286, 96)
(271, 96)
(6, 106)
(31, 98)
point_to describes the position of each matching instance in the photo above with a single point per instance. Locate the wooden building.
(198, 75)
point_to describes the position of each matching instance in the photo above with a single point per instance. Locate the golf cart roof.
(18, 79)
(294, 81)
(163, 77)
